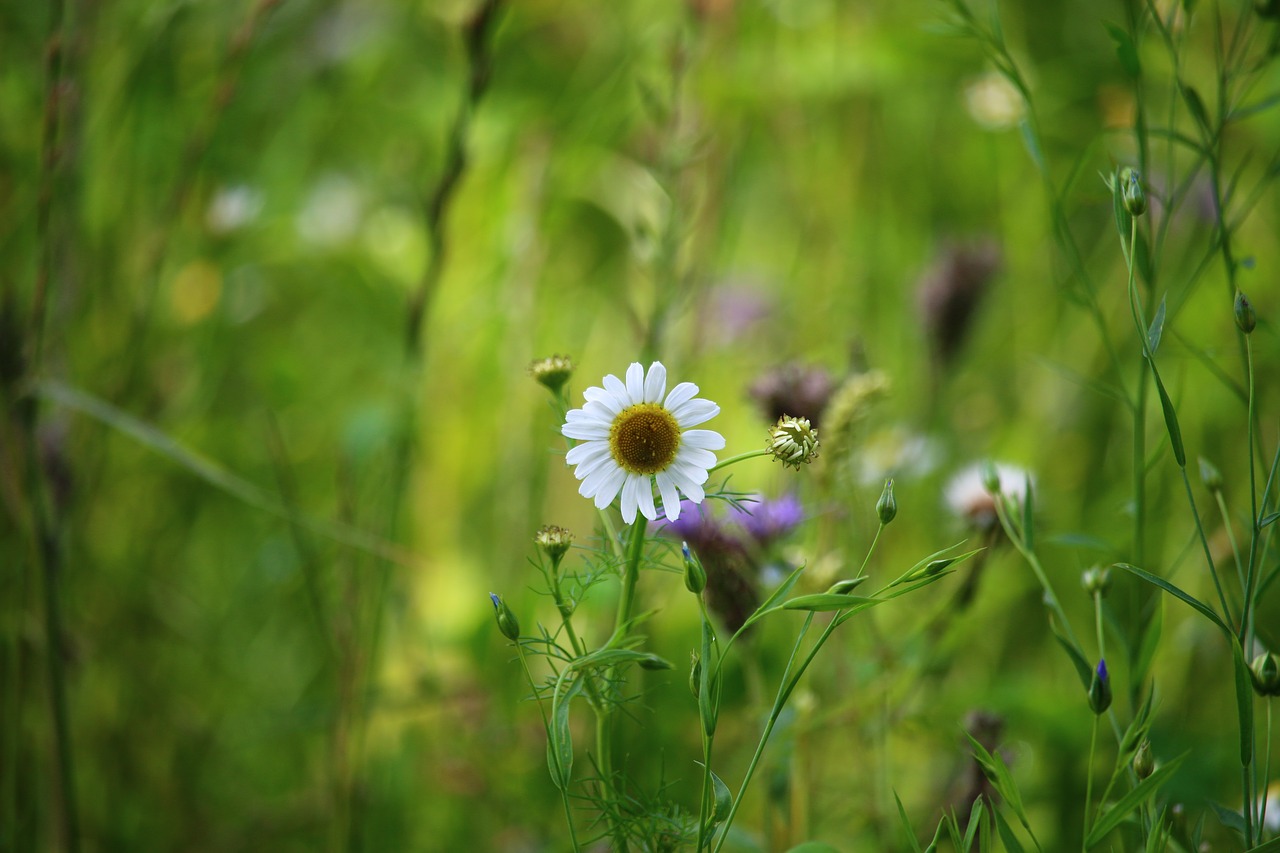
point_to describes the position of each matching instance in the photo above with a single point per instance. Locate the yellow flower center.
(644, 438)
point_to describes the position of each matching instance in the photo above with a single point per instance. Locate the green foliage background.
(274, 532)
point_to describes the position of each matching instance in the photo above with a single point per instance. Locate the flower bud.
(1096, 581)
(793, 441)
(552, 372)
(887, 506)
(1246, 319)
(1100, 689)
(507, 622)
(695, 576)
(1144, 762)
(1131, 192)
(1210, 475)
(1266, 674)
(653, 663)
(844, 587)
(554, 542)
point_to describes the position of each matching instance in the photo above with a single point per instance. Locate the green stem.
(1088, 785)
(1246, 619)
(725, 463)
(1140, 406)
(705, 800)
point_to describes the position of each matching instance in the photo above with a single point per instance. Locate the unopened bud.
(554, 542)
(1096, 581)
(695, 675)
(552, 372)
(1266, 674)
(990, 477)
(1246, 319)
(845, 587)
(1210, 475)
(695, 576)
(887, 506)
(1131, 192)
(1144, 762)
(654, 663)
(507, 622)
(1100, 689)
(793, 441)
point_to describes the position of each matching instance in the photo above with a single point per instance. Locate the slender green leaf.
(1083, 670)
(770, 604)
(560, 738)
(1268, 520)
(1230, 818)
(1119, 212)
(1195, 105)
(975, 822)
(1168, 587)
(997, 772)
(906, 824)
(1175, 433)
(1133, 798)
(1156, 330)
(1244, 703)
(1272, 846)
(723, 799)
(1007, 838)
(1032, 145)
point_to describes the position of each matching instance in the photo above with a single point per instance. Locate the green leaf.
(1121, 215)
(997, 772)
(770, 604)
(708, 700)
(1272, 846)
(1083, 670)
(1230, 818)
(1168, 587)
(1268, 520)
(825, 601)
(1170, 420)
(1010, 841)
(1244, 703)
(976, 814)
(1133, 798)
(1196, 107)
(1125, 51)
(723, 799)
(559, 737)
(906, 824)
(1157, 329)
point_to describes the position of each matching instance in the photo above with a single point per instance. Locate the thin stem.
(1088, 785)
(1231, 538)
(725, 463)
(1246, 618)
(705, 800)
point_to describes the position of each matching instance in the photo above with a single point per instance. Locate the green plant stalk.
(1140, 405)
(1250, 582)
(1050, 597)
(750, 454)
(704, 803)
(1088, 785)
(1231, 537)
(546, 725)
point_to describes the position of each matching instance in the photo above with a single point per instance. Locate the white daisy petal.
(630, 497)
(655, 384)
(695, 456)
(609, 488)
(635, 382)
(682, 393)
(670, 497)
(603, 398)
(589, 431)
(585, 451)
(707, 439)
(694, 492)
(692, 473)
(695, 412)
(614, 386)
(598, 410)
(645, 492)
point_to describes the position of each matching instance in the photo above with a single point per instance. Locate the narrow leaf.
(1168, 587)
(1230, 818)
(1195, 105)
(1133, 798)
(1083, 670)
(1272, 846)
(1125, 51)
(1033, 146)
(1157, 328)
(723, 799)
(1268, 520)
(825, 601)
(1010, 841)
(1170, 420)
(906, 824)
(1121, 215)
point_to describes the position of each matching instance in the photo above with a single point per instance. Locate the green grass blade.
(1178, 593)
(1139, 794)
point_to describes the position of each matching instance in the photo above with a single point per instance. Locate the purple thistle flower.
(766, 520)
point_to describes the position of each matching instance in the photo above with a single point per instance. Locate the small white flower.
(967, 496)
(631, 437)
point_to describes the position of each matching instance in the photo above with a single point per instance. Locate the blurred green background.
(271, 527)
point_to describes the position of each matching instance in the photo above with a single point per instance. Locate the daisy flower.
(968, 498)
(631, 437)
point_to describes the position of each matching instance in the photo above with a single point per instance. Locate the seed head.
(554, 542)
(1096, 581)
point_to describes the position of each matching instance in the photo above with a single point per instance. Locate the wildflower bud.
(507, 622)
(1131, 192)
(844, 587)
(1211, 476)
(1100, 689)
(887, 506)
(552, 372)
(554, 542)
(1144, 762)
(1266, 674)
(1246, 319)
(793, 441)
(990, 477)
(1096, 581)
(653, 663)
(695, 675)
(695, 576)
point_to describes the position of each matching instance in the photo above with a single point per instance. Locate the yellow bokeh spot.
(197, 289)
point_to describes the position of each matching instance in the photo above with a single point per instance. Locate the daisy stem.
(546, 724)
(750, 454)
